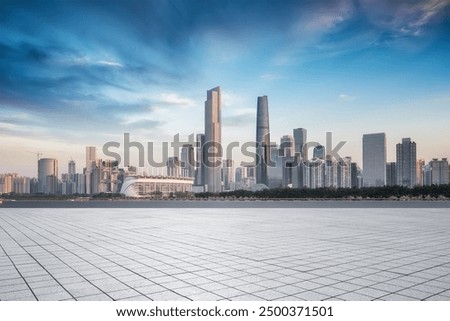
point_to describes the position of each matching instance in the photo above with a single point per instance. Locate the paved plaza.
(225, 254)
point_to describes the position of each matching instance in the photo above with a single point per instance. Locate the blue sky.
(77, 73)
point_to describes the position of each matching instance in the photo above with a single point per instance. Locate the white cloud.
(402, 17)
(175, 99)
(269, 77)
(230, 99)
(109, 63)
(323, 18)
(346, 98)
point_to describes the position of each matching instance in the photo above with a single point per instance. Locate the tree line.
(385, 192)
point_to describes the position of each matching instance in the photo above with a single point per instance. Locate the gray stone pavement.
(225, 254)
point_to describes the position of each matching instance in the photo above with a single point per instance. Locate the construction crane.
(36, 153)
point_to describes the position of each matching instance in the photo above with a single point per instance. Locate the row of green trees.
(433, 191)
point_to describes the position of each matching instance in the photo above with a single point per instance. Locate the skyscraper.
(300, 141)
(200, 164)
(212, 150)
(91, 157)
(262, 140)
(374, 159)
(406, 163)
(72, 169)
(47, 173)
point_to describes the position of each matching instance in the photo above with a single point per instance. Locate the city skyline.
(83, 73)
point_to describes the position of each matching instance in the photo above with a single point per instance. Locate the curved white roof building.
(148, 186)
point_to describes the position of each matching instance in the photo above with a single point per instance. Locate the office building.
(262, 140)
(173, 167)
(391, 174)
(187, 161)
(374, 160)
(212, 151)
(300, 136)
(71, 167)
(200, 164)
(406, 163)
(91, 156)
(287, 146)
(227, 171)
(47, 175)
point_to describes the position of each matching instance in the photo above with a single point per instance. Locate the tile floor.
(225, 254)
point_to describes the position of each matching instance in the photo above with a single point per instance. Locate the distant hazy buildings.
(262, 140)
(374, 160)
(12, 183)
(213, 140)
(406, 163)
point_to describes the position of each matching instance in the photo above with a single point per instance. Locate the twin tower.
(213, 139)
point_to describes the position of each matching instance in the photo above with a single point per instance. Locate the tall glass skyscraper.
(212, 151)
(374, 160)
(262, 140)
(406, 163)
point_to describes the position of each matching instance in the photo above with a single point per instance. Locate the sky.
(78, 73)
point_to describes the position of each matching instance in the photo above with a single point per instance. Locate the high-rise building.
(316, 173)
(374, 159)
(91, 157)
(439, 171)
(275, 168)
(262, 140)
(212, 151)
(227, 171)
(300, 141)
(187, 161)
(344, 172)
(200, 164)
(71, 167)
(355, 175)
(406, 163)
(287, 146)
(419, 172)
(173, 167)
(426, 175)
(391, 174)
(7, 183)
(47, 173)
